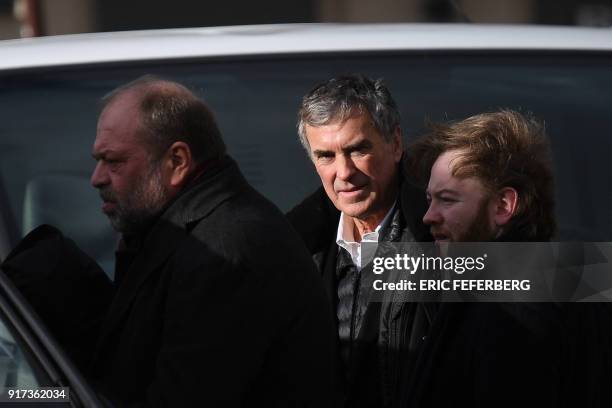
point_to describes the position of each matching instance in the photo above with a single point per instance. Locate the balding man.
(217, 301)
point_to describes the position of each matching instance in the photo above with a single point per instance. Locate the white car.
(254, 78)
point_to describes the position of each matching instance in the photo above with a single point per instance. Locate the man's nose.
(432, 216)
(346, 168)
(99, 177)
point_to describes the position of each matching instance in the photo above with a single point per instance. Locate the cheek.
(326, 174)
(370, 165)
(122, 185)
(463, 219)
(381, 170)
(118, 189)
(455, 217)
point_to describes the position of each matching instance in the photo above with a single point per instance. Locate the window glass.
(15, 372)
(48, 124)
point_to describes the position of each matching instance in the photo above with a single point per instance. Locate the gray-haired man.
(350, 128)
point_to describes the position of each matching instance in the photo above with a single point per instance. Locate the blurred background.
(30, 18)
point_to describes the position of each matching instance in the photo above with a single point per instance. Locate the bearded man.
(489, 178)
(217, 300)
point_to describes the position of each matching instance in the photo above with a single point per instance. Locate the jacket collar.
(205, 193)
(196, 202)
(199, 199)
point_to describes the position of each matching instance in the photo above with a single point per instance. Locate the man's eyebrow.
(101, 154)
(319, 153)
(362, 144)
(443, 191)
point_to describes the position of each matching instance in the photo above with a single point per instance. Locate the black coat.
(488, 354)
(439, 355)
(373, 378)
(465, 354)
(221, 307)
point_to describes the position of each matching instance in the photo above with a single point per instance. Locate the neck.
(356, 228)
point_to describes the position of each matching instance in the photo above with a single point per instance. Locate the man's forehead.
(119, 120)
(349, 129)
(115, 134)
(441, 171)
(117, 149)
(442, 178)
(108, 145)
(128, 102)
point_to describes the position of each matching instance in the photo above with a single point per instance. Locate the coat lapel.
(331, 282)
(160, 244)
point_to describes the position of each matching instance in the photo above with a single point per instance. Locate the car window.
(48, 123)
(15, 371)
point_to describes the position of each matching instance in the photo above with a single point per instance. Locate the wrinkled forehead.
(335, 113)
(351, 129)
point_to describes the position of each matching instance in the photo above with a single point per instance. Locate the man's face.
(358, 168)
(460, 209)
(132, 188)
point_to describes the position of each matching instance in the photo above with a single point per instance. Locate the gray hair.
(339, 98)
(170, 112)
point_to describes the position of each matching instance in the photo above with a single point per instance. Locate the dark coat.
(64, 286)
(485, 355)
(440, 355)
(221, 307)
(533, 354)
(464, 354)
(316, 219)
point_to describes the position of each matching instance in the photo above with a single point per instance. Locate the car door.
(33, 367)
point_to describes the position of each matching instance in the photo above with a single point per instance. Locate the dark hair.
(170, 112)
(339, 98)
(501, 149)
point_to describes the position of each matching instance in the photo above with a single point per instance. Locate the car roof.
(292, 39)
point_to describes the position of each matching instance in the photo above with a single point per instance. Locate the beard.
(479, 229)
(138, 209)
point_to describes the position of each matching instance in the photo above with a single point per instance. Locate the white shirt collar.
(354, 248)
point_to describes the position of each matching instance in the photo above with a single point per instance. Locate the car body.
(254, 78)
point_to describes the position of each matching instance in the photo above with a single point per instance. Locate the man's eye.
(448, 200)
(325, 158)
(113, 164)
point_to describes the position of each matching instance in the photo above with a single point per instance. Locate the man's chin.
(115, 222)
(354, 196)
(355, 210)
(440, 236)
(442, 241)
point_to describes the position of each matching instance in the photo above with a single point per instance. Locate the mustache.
(437, 231)
(106, 194)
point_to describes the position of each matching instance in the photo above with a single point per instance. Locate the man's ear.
(179, 163)
(506, 203)
(398, 147)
